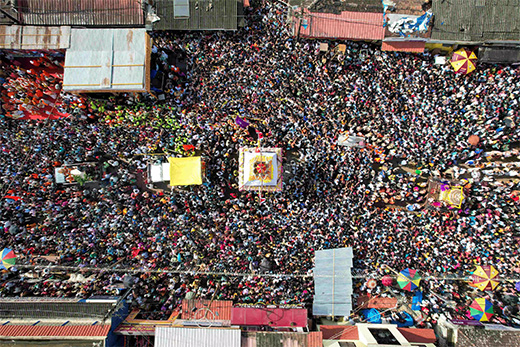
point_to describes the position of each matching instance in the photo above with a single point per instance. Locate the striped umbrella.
(408, 279)
(481, 309)
(8, 258)
(463, 61)
(483, 277)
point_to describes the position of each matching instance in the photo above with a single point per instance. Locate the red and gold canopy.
(463, 61)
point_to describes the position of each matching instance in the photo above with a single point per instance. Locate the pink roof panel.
(347, 25)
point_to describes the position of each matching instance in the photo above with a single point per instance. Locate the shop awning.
(404, 46)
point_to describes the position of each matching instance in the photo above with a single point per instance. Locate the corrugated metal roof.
(333, 282)
(221, 309)
(333, 6)
(347, 25)
(281, 339)
(81, 13)
(31, 37)
(54, 331)
(53, 309)
(275, 317)
(418, 335)
(337, 332)
(499, 55)
(199, 337)
(107, 60)
(204, 15)
(404, 46)
(315, 339)
(476, 20)
(285, 339)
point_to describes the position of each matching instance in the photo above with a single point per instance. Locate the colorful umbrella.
(463, 61)
(8, 258)
(483, 278)
(481, 309)
(387, 280)
(408, 279)
(371, 283)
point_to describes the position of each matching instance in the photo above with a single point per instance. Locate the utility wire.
(239, 274)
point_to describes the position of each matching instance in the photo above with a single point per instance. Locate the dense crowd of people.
(415, 116)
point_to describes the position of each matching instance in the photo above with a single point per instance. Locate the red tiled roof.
(418, 335)
(276, 317)
(404, 46)
(315, 339)
(337, 332)
(376, 302)
(54, 331)
(347, 25)
(221, 309)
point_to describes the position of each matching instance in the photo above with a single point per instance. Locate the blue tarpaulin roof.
(372, 316)
(333, 282)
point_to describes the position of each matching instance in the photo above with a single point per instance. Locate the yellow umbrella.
(463, 61)
(483, 278)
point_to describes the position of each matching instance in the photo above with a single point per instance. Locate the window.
(384, 336)
(181, 8)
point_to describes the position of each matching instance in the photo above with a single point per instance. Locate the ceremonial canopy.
(260, 169)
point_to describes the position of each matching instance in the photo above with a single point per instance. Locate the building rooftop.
(197, 14)
(53, 309)
(472, 337)
(476, 20)
(91, 13)
(281, 339)
(418, 335)
(199, 310)
(107, 60)
(336, 7)
(412, 7)
(55, 332)
(338, 332)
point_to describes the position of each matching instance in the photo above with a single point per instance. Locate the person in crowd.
(415, 117)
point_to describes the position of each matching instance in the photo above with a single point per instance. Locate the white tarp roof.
(106, 60)
(333, 282)
(199, 337)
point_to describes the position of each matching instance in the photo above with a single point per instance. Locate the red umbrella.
(387, 280)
